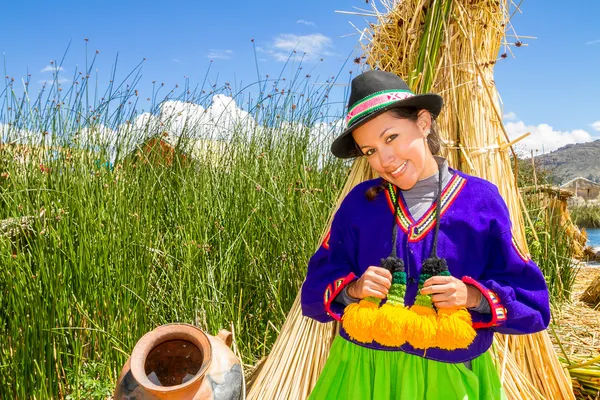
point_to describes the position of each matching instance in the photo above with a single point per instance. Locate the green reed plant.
(551, 248)
(126, 238)
(586, 215)
(549, 242)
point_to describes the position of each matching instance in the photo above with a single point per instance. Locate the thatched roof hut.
(583, 188)
(554, 200)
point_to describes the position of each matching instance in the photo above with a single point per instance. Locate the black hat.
(373, 93)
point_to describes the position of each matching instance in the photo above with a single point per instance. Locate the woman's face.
(397, 148)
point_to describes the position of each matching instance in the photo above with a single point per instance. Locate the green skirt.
(356, 372)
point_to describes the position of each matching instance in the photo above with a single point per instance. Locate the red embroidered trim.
(427, 222)
(497, 309)
(325, 243)
(402, 222)
(332, 291)
(417, 230)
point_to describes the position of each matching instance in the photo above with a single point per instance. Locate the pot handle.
(226, 337)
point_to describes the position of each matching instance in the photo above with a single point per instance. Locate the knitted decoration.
(423, 333)
(455, 329)
(359, 318)
(453, 326)
(393, 317)
(447, 329)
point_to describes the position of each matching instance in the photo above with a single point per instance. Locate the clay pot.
(180, 361)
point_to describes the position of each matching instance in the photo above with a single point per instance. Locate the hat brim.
(344, 147)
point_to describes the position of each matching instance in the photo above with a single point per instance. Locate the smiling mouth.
(399, 170)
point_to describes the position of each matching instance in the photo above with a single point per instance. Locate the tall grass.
(586, 215)
(124, 240)
(552, 249)
(550, 243)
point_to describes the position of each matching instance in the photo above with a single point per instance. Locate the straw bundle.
(448, 47)
(591, 296)
(586, 377)
(554, 201)
(302, 347)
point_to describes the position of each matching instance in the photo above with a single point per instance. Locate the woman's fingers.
(381, 280)
(381, 272)
(374, 292)
(377, 287)
(446, 291)
(375, 282)
(441, 297)
(438, 289)
(447, 296)
(439, 280)
(446, 304)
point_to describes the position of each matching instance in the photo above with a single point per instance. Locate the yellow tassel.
(358, 320)
(390, 327)
(421, 334)
(455, 330)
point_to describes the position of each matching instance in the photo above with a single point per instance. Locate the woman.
(430, 243)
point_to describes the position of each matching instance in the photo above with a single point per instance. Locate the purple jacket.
(475, 238)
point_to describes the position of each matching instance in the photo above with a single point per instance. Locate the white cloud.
(593, 42)
(52, 68)
(511, 116)
(310, 47)
(596, 126)
(177, 61)
(544, 138)
(60, 80)
(220, 54)
(97, 136)
(191, 126)
(197, 130)
(304, 22)
(9, 135)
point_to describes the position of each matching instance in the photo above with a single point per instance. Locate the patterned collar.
(417, 230)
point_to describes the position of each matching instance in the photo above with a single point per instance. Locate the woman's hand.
(375, 282)
(449, 292)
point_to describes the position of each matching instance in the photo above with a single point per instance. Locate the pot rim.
(163, 334)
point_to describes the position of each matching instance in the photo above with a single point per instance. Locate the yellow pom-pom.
(390, 327)
(421, 331)
(455, 330)
(358, 320)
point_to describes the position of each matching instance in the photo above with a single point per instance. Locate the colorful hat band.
(375, 102)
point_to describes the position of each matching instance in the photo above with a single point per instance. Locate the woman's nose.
(386, 157)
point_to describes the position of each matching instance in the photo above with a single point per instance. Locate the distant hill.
(572, 161)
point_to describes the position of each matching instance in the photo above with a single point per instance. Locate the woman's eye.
(370, 152)
(390, 138)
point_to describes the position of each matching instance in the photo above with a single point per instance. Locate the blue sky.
(550, 88)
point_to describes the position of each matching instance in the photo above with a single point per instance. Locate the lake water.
(593, 237)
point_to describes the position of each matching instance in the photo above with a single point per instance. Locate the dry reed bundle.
(554, 201)
(586, 379)
(302, 347)
(591, 296)
(512, 378)
(448, 47)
